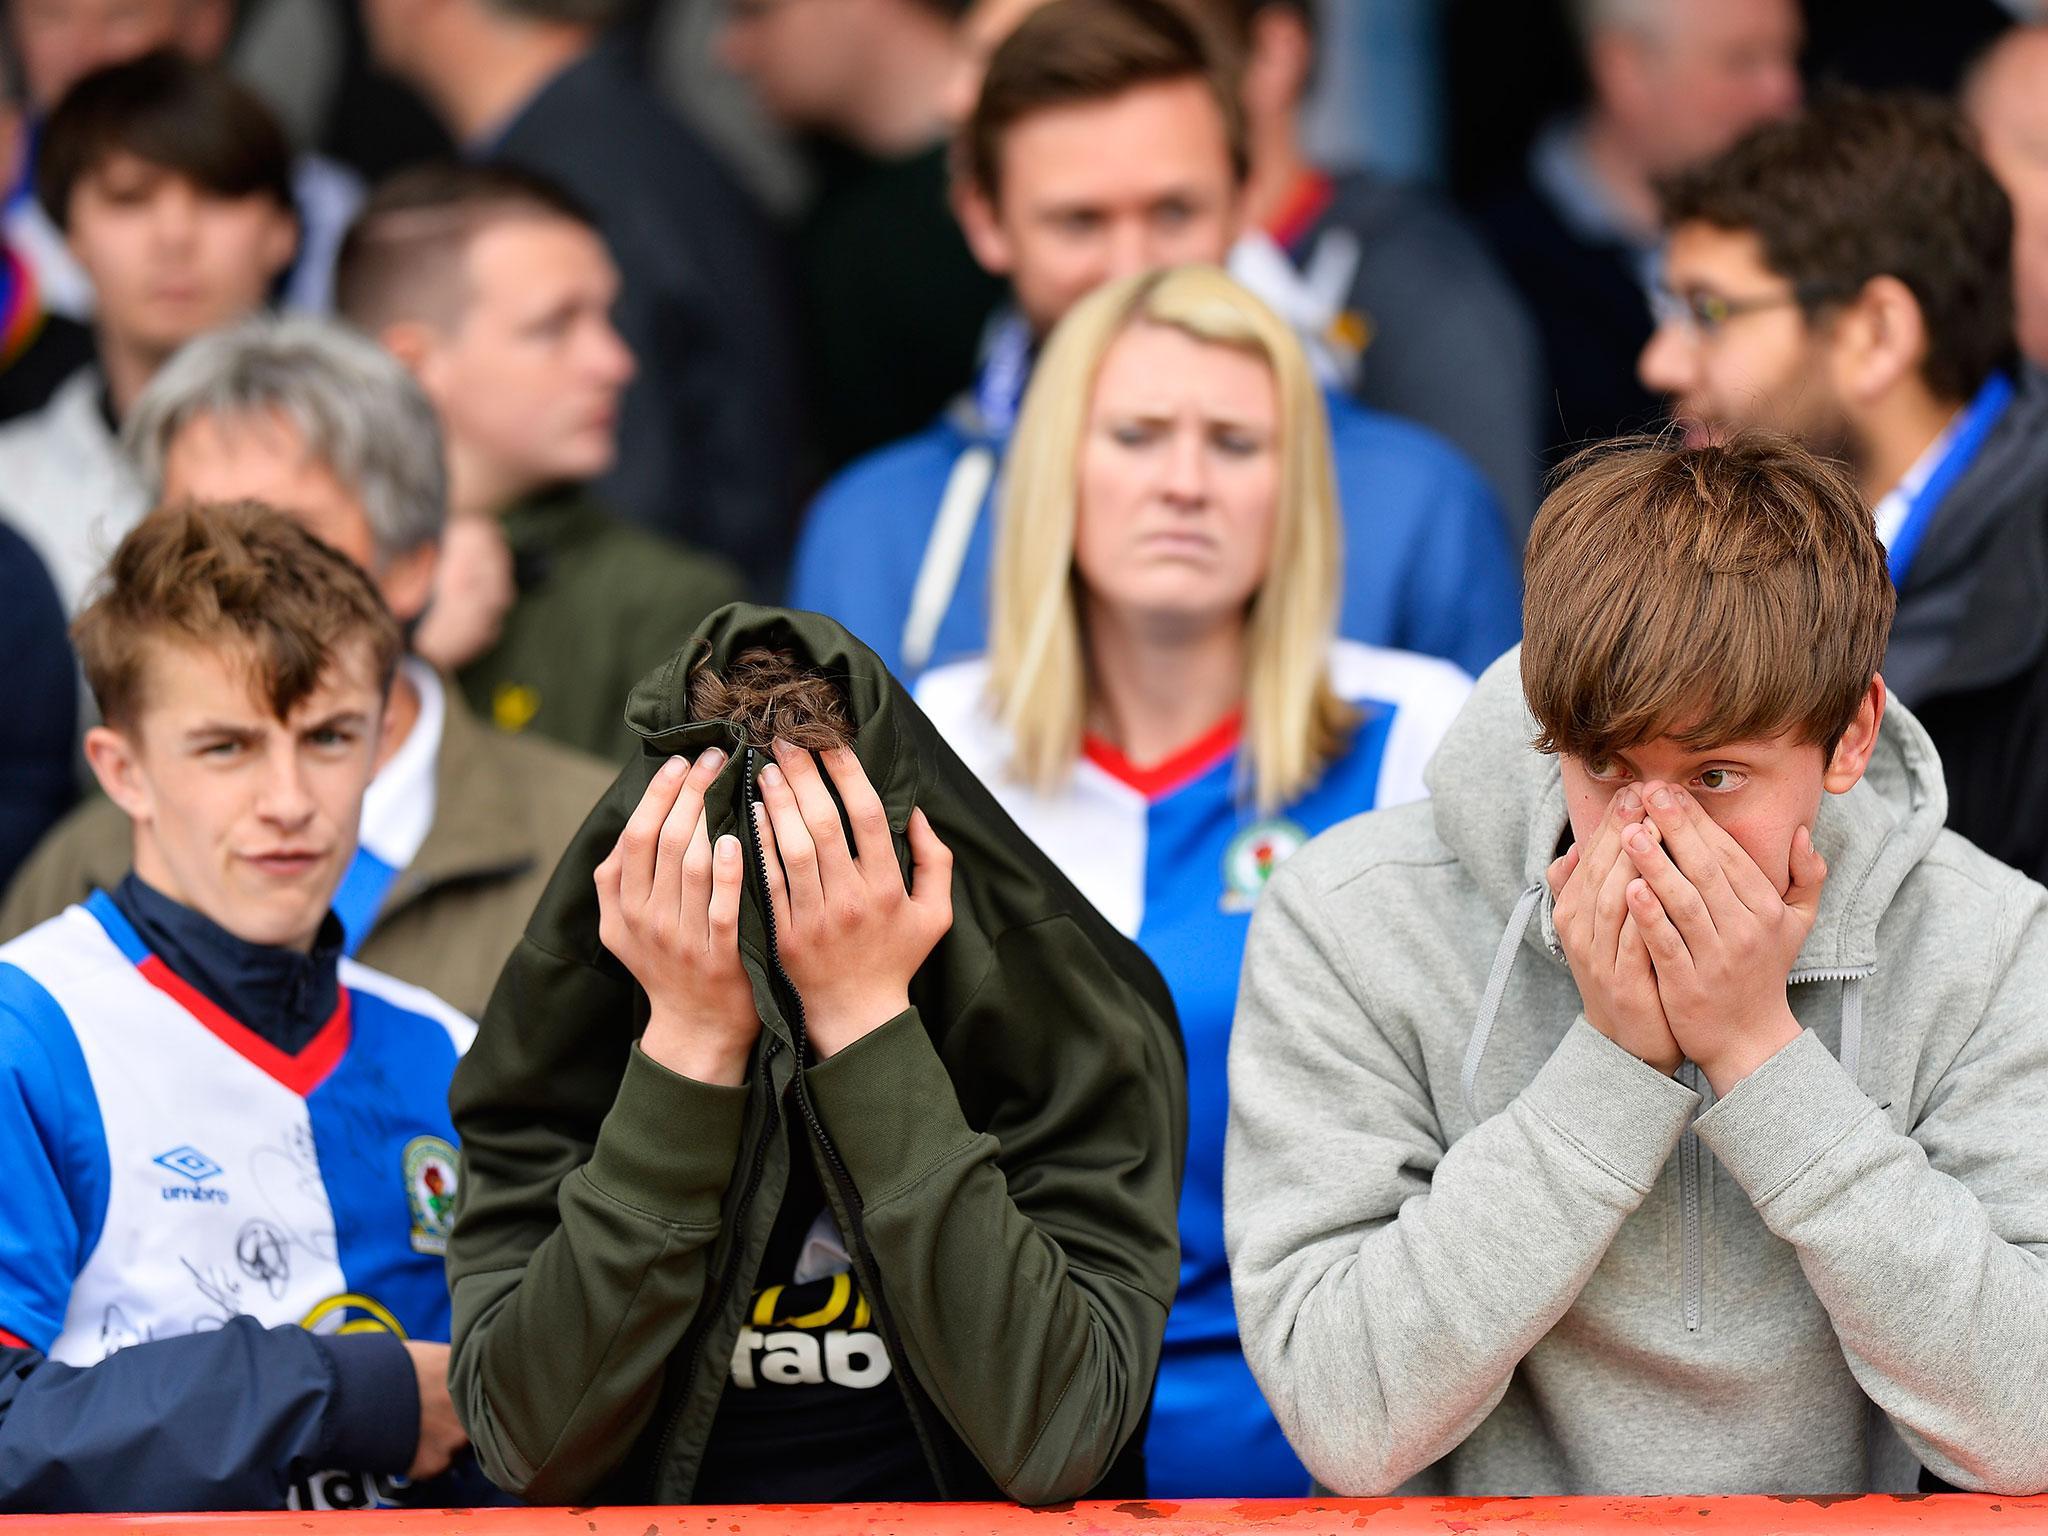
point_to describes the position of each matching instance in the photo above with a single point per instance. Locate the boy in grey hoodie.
(1725, 1169)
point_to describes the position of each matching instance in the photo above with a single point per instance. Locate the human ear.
(116, 763)
(407, 581)
(1851, 756)
(983, 227)
(1277, 66)
(1886, 338)
(204, 34)
(417, 346)
(283, 243)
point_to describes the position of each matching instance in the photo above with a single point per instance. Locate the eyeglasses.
(1705, 313)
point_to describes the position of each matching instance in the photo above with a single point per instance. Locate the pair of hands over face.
(1680, 945)
(847, 931)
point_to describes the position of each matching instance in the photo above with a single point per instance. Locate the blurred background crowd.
(703, 299)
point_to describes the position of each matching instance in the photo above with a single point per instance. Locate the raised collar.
(281, 996)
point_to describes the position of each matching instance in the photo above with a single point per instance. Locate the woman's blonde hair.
(1038, 678)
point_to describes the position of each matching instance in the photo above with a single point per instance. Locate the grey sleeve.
(1386, 1286)
(1930, 1249)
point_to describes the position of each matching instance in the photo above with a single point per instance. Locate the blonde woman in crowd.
(1166, 709)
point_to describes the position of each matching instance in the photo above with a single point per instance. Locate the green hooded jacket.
(1004, 1157)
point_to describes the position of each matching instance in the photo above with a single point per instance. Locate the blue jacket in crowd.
(1428, 563)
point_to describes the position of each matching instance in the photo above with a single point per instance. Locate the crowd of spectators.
(1107, 808)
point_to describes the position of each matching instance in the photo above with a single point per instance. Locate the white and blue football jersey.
(1175, 856)
(169, 1168)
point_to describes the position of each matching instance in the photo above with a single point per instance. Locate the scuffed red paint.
(1930, 1515)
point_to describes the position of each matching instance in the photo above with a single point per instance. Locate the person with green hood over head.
(821, 1142)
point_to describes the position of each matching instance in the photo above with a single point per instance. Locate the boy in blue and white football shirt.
(231, 1171)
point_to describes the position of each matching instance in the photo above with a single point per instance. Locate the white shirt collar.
(398, 807)
(1891, 512)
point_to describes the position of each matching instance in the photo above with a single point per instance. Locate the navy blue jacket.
(36, 782)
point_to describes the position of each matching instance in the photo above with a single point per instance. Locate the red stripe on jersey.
(301, 1073)
(1306, 202)
(14, 1340)
(1170, 773)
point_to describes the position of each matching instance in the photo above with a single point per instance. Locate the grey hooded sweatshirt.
(1477, 1248)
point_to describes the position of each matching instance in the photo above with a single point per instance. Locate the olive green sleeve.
(558, 1359)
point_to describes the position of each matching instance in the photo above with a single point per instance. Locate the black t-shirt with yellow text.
(811, 1410)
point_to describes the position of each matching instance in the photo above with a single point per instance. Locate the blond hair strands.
(1038, 663)
(1711, 595)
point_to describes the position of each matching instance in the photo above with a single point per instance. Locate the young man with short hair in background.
(495, 290)
(172, 184)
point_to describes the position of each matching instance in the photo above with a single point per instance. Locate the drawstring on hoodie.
(1496, 988)
(1852, 1026)
(1851, 1054)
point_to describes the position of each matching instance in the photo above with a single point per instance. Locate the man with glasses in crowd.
(1847, 277)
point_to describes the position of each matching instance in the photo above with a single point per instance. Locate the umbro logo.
(189, 1161)
(195, 1166)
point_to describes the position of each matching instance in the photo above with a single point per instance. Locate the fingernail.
(779, 747)
(715, 758)
(1631, 801)
(728, 847)
(1638, 839)
(1663, 799)
(673, 768)
(771, 775)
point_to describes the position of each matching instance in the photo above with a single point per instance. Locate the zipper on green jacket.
(707, 1310)
(849, 1195)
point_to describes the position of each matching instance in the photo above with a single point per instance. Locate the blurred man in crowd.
(495, 291)
(1674, 82)
(1109, 139)
(1847, 277)
(708, 435)
(893, 304)
(1399, 301)
(61, 42)
(230, 1161)
(459, 829)
(173, 186)
(2007, 100)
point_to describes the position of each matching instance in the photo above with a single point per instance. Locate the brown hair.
(402, 258)
(1075, 51)
(765, 694)
(229, 575)
(1861, 186)
(194, 120)
(1710, 595)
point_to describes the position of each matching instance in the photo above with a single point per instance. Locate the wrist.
(690, 1049)
(1746, 1048)
(836, 1026)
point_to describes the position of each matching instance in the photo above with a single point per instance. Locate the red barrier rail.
(1749, 1515)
